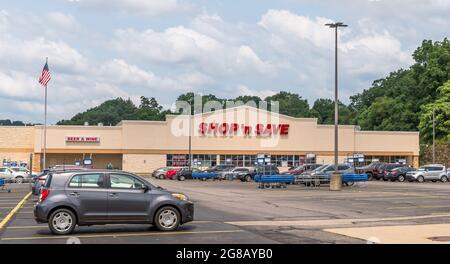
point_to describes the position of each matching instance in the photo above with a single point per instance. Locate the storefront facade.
(236, 135)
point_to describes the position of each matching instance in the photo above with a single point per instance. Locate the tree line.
(402, 101)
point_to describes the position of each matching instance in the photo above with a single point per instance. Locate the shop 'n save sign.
(83, 139)
(234, 128)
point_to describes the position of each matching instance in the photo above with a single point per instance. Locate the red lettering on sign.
(212, 127)
(284, 129)
(259, 129)
(234, 128)
(203, 128)
(247, 130)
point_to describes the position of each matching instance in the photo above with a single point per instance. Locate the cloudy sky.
(103, 49)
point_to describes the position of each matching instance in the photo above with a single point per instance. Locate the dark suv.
(96, 197)
(378, 170)
(371, 170)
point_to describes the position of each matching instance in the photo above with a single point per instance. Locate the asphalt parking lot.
(235, 212)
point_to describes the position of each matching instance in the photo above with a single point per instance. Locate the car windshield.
(320, 168)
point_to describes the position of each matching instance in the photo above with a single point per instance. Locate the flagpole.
(45, 123)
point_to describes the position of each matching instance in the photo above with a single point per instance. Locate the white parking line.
(13, 211)
(125, 235)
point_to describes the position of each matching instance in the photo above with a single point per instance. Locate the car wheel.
(420, 179)
(161, 176)
(248, 178)
(203, 179)
(444, 179)
(19, 179)
(181, 178)
(401, 178)
(62, 222)
(167, 219)
(370, 176)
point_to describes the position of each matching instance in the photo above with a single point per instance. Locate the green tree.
(387, 113)
(149, 109)
(441, 108)
(109, 112)
(290, 104)
(404, 90)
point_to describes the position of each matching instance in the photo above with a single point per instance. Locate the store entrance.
(99, 161)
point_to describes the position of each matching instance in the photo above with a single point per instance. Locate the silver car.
(15, 174)
(432, 172)
(322, 174)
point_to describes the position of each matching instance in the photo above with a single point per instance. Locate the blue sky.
(101, 49)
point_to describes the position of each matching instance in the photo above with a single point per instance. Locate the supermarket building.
(235, 135)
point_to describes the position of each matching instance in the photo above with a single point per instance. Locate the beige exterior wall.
(143, 164)
(384, 141)
(16, 143)
(110, 139)
(144, 144)
(329, 159)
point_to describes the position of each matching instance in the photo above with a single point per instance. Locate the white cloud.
(286, 24)
(125, 74)
(244, 90)
(185, 46)
(146, 7)
(63, 21)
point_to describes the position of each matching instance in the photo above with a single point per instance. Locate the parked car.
(302, 168)
(235, 173)
(384, 169)
(161, 172)
(6, 173)
(22, 174)
(186, 173)
(16, 174)
(221, 167)
(97, 197)
(67, 167)
(258, 170)
(432, 172)
(398, 174)
(373, 170)
(170, 174)
(38, 181)
(322, 174)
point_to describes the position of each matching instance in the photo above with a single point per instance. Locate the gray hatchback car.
(96, 197)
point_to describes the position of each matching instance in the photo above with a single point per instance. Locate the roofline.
(252, 108)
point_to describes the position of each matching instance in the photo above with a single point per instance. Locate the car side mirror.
(145, 188)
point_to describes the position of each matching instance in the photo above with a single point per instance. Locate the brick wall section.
(16, 137)
(143, 164)
(16, 143)
(36, 162)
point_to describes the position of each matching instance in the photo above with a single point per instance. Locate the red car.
(171, 174)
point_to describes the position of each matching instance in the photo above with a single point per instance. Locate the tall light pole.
(434, 137)
(336, 180)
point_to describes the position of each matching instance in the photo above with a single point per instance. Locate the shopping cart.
(3, 185)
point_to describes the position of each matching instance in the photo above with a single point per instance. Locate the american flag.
(45, 76)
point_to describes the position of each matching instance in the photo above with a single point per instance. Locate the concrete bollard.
(336, 182)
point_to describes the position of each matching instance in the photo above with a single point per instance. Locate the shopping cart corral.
(3, 186)
(274, 181)
(348, 179)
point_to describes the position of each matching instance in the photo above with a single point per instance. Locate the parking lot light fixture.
(336, 181)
